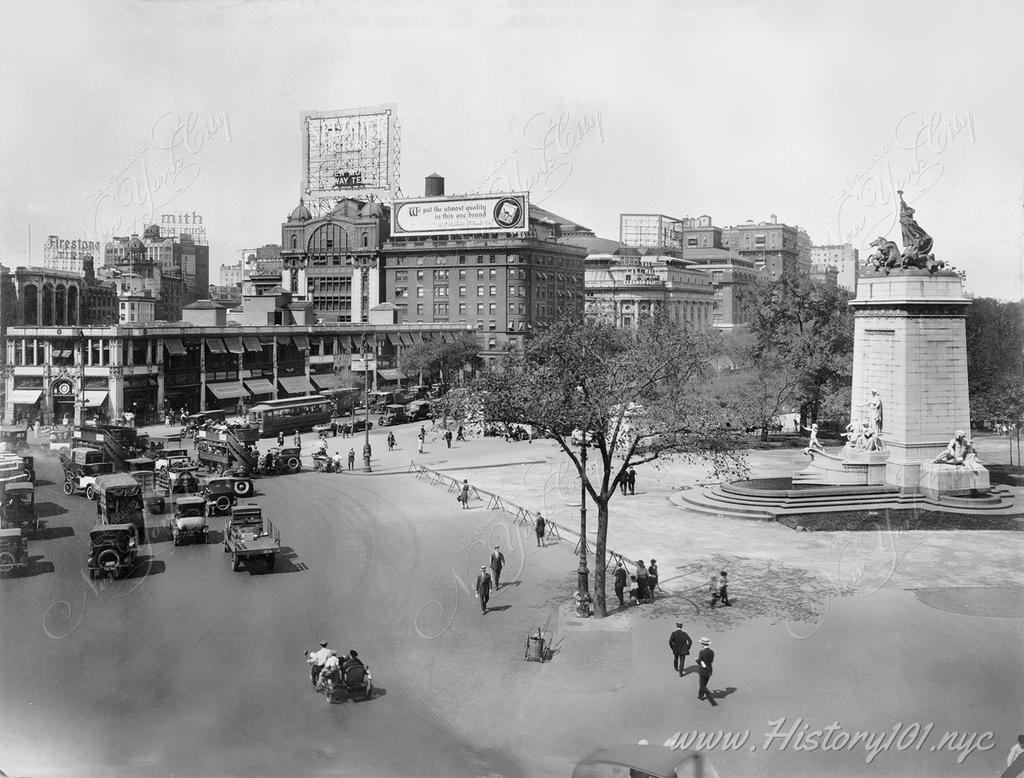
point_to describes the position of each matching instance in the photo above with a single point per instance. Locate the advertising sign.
(496, 212)
(350, 153)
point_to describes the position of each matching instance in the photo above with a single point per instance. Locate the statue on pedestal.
(875, 403)
(917, 247)
(960, 452)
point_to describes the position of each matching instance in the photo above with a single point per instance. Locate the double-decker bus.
(294, 413)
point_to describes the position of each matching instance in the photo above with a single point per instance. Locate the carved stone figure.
(917, 247)
(960, 451)
(875, 403)
(886, 256)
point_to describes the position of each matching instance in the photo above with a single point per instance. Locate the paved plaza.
(201, 669)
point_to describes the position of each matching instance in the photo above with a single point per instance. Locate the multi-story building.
(136, 309)
(704, 245)
(331, 260)
(229, 296)
(650, 230)
(773, 247)
(630, 286)
(175, 255)
(504, 284)
(200, 364)
(134, 273)
(67, 255)
(844, 258)
(232, 275)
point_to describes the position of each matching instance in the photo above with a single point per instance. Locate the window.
(462, 291)
(511, 291)
(419, 291)
(479, 308)
(462, 274)
(479, 273)
(627, 320)
(419, 308)
(295, 242)
(479, 324)
(479, 291)
(492, 343)
(462, 309)
(440, 309)
(401, 275)
(511, 307)
(440, 291)
(493, 291)
(441, 275)
(492, 325)
(492, 308)
(493, 271)
(462, 260)
(401, 291)
(522, 291)
(419, 275)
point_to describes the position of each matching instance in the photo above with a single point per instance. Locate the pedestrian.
(464, 494)
(719, 589)
(620, 582)
(334, 428)
(460, 434)
(634, 593)
(351, 459)
(280, 439)
(419, 440)
(680, 644)
(641, 581)
(652, 579)
(497, 563)
(129, 419)
(705, 660)
(483, 588)
(391, 441)
(316, 660)
(337, 461)
(64, 422)
(35, 428)
(297, 440)
(631, 480)
(624, 483)
(448, 438)
(540, 527)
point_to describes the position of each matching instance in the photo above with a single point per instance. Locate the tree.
(635, 394)
(443, 358)
(762, 387)
(995, 344)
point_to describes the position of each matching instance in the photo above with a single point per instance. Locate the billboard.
(495, 212)
(62, 254)
(350, 153)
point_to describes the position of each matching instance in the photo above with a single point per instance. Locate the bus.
(294, 413)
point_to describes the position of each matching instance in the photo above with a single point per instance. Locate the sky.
(816, 112)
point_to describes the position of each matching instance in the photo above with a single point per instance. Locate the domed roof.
(135, 245)
(372, 209)
(301, 213)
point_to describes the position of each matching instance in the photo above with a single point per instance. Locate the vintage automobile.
(62, 438)
(170, 458)
(113, 550)
(82, 466)
(222, 493)
(19, 507)
(392, 414)
(13, 551)
(644, 762)
(119, 501)
(189, 522)
(17, 468)
(248, 534)
(15, 438)
(355, 423)
(152, 497)
(286, 459)
(203, 420)
(418, 410)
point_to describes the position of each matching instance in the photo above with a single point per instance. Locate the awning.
(406, 338)
(174, 347)
(234, 345)
(259, 386)
(326, 380)
(95, 399)
(296, 385)
(252, 344)
(301, 342)
(25, 396)
(355, 343)
(417, 337)
(216, 345)
(391, 374)
(63, 353)
(393, 338)
(228, 390)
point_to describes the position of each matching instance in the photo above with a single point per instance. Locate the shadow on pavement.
(498, 608)
(52, 533)
(47, 509)
(36, 566)
(145, 566)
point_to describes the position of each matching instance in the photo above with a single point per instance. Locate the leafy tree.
(636, 394)
(442, 359)
(995, 344)
(760, 389)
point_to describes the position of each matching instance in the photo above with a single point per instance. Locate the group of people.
(679, 644)
(644, 582)
(489, 575)
(325, 662)
(628, 482)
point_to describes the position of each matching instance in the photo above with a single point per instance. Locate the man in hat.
(483, 588)
(620, 583)
(539, 528)
(317, 659)
(332, 667)
(497, 564)
(680, 644)
(705, 660)
(1015, 759)
(720, 589)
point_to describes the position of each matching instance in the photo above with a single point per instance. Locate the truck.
(118, 443)
(228, 450)
(248, 534)
(119, 501)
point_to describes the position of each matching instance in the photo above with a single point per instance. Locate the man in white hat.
(317, 659)
(483, 588)
(705, 660)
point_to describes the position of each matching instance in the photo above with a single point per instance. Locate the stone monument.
(909, 390)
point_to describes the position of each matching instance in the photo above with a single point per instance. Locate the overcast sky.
(812, 111)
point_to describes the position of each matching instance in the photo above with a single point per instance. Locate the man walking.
(620, 583)
(448, 438)
(461, 434)
(680, 644)
(540, 528)
(705, 659)
(297, 440)
(483, 588)
(624, 483)
(720, 589)
(631, 480)
(391, 441)
(641, 581)
(497, 563)
(351, 459)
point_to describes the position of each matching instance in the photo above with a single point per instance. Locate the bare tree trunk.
(600, 551)
(764, 431)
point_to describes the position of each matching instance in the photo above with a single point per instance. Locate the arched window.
(295, 241)
(366, 240)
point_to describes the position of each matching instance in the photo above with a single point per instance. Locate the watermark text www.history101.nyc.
(798, 735)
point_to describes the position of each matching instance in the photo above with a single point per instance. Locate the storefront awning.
(95, 399)
(234, 345)
(296, 385)
(216, 346)
(391, 374)
(406, 339)
(301, 342)
(226, 391)
(259, 386)
(174, 347)
(252, 344)
(417, 337)
(25, 396)
(326, 381)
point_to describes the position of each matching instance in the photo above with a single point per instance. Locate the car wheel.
(7, 562)
(223, 503)
(242, 488)
(294, 465)
(69, 488)
(90, 492)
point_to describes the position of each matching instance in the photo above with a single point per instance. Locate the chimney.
(774, 219)
(434, 186)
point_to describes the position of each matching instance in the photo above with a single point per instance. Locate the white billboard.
(350, 153)
(496, 212)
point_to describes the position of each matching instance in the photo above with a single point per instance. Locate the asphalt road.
(188, 668)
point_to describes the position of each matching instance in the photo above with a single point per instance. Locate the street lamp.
(364, 349)
(582, 574)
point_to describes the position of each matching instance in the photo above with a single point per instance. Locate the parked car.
(418, 410)
(13, 551)
(15, 437)
(189, 522)
(392, 414)
(113, 549)
(19, 507)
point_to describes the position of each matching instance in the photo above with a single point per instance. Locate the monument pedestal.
(954, 480)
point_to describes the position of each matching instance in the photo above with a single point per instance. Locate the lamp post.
(364, 349)
(582, 574)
